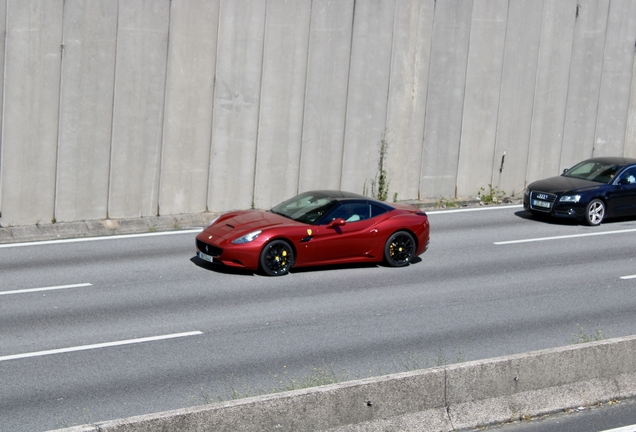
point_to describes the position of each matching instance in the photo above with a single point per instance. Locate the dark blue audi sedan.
(590, 191)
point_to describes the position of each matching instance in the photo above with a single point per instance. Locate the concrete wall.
(456, 397)
(32, 62)
(187, 126)
(328, 60)
(121, 109)
(86, 109)
(280, 124)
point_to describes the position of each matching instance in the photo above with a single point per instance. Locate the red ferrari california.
(316, 228)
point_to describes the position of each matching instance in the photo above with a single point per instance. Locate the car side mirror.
(624, 181)
(336, 222)
(565, 170)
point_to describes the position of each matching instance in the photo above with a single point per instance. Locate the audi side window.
(628, 177)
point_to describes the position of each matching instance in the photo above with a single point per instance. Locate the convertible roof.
(343, 195)
(336, 194)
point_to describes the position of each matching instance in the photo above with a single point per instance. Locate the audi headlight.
(570, 198)
(247, 238)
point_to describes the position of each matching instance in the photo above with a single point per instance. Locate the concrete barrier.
(438, 399)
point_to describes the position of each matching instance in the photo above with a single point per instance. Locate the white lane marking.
(435, 212)
(629, 277)
(87, 239)
(564, 237)
(31, 290)
(100, 345)
(631, 428)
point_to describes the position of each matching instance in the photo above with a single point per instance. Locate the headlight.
(570, 198)
(246, 238)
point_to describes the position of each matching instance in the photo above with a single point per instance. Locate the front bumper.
(240, 256)
(551, 206)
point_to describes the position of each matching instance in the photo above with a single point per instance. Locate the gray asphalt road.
(617, 416)
(144, 326)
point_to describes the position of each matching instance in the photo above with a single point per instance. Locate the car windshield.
(601, 172)
(306, 207)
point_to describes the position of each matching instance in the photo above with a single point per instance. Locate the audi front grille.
(542, 201)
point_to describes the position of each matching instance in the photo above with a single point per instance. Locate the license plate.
(541, 204)
(206, 257)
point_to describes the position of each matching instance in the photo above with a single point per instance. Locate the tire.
(277, 258)
(595, 212)
(399, 249)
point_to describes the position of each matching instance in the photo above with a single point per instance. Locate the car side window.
(377, 210)
(628, 177)
(352, 212)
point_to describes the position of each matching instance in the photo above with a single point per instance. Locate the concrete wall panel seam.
(31, 111)
(534, 98)
(346, 107)
(112, 116)
(3, 20)
(463, 104)
(260, 98)
(326, 94)
(386, 114)
(501, 86)
(567, 96)
(304, 107)
(408, 90)
(451, 34)
(584, 81)
(430, 50)
(521, 52)
(482, 95)
(210, 142)
(598, 101)
(59, 118)
(162, 140)
(551, 89)
(630, 127)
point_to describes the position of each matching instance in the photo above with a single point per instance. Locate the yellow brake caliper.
(393, 247)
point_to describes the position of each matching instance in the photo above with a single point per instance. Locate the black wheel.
(277, 258)
(595, 212)
(399, 249)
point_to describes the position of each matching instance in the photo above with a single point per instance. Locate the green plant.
(585, 337)
(395, 199)
(493, 196)
(416, 362)
(446, 203)
(152, 228)
(383, 181)
(177, 226)
(317, 377)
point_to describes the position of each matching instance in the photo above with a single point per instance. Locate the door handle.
(374, 231)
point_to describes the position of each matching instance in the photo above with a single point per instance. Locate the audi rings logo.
(542, 196)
